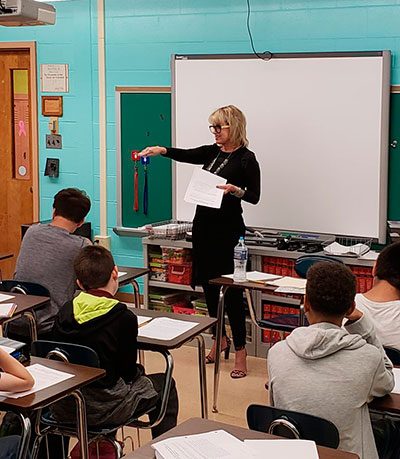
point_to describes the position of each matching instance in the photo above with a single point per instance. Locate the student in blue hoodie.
(330, 371)
(97, 320)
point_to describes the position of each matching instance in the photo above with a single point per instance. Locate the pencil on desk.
(257, 281)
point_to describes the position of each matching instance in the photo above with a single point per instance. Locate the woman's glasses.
(217, 129)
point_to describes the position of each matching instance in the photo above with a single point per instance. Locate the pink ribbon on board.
(21, 125)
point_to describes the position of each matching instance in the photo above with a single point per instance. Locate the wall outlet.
(104, 241)
(54, 141)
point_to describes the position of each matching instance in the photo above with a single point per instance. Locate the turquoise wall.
(142, 34)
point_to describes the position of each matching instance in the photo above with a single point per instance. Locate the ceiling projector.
(15, 13)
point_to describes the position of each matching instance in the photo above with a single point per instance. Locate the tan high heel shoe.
(236, 373)
(226, 350)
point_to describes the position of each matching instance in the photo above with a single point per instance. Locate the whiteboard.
(318, 124)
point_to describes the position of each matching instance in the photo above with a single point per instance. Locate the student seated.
(13, 378)
(329, 371)
(46, 258)
(382, 302)
(97, 320)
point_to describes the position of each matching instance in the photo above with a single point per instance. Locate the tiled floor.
(234, 395)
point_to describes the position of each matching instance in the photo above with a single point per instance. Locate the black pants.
(234, 306)
(171, 415)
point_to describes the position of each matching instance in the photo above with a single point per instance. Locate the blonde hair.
(235, 119)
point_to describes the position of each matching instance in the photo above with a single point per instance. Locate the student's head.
(72, 204)
(387, 266)
(232, 117)
(95, 268)
(330, 290)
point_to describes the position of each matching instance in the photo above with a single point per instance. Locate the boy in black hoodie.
(97, 320)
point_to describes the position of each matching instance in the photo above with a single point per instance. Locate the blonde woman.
(217, 231)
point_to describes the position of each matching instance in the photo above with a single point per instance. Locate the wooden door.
(16, 198)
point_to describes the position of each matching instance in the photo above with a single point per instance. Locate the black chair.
(304, 263)
(393, 354)
(26, 288)
(292, 424)
(83, 355)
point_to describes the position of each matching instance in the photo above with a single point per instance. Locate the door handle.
(394, 144)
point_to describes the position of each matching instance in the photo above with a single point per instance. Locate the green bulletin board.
(394, 158)
(145, 120)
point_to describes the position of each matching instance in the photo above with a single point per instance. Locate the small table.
(248, 287)
(25, 306)
(24, 405)
(390, 403)
(196, 425)
(130, 278)
(151, 344)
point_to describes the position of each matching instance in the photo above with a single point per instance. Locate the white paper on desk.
(211, 445)
(291, 290)
(202, 189)
(256, 276)
(7, 349)
(5, 297)
(288, 281)
(121, 273)
(165, 328)
(396, 389)
(300, 449)
(142, 320)
(44, 377)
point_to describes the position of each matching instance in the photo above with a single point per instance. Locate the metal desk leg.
(202, 373)
(32, 325)
(136, 296)
(218, 339)
(82, 426)
(25, 436)
(302, 316)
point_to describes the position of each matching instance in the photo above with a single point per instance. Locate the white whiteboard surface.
(319, 129)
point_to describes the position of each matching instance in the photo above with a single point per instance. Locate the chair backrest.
(304, 263)
(27, 288)
(72, 353)
(393, 354)
(292, 424)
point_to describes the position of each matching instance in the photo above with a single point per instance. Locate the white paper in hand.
(203, 189)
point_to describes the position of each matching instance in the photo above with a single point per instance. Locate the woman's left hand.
(228, 188)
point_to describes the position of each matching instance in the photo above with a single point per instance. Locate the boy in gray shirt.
(330, 371)
(46, 257)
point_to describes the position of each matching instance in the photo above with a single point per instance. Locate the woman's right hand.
(153, 151)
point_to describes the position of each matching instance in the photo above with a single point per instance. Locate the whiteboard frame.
(384, 149)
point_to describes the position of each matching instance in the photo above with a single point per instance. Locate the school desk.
(390, 403)
(25, 307)
(151, 344)
(197, 425)
(23, 406)
(130, 276)
(249, 288)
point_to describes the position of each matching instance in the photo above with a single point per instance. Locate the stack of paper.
(7, 309)
(165, 328)
(44, 377)
(396, 389)
(337, 249)
(256, 276)
(220, 444)
(289, 284)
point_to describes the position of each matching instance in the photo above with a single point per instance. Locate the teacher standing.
(217, 231)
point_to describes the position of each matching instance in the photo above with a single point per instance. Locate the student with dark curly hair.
(382, 302)
(330, 371)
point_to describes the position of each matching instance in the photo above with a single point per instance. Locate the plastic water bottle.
(241, 254)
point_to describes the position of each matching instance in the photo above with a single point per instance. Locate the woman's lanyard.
(145, 162)
(135, 157)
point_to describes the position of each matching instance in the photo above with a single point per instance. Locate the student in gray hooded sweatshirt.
(330, 371)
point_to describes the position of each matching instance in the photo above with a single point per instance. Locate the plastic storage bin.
(180, 273)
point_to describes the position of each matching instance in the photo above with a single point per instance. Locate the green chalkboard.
(145, 120)
(394, 158)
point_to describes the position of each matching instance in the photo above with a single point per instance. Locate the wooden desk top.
(83, 376)
(153, 344)
(131, 274)
(24, 303)
(197, 425)
(389, 403)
